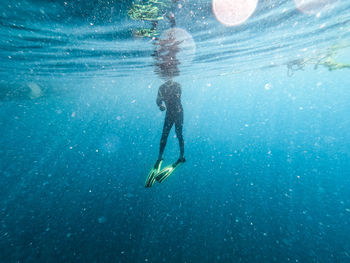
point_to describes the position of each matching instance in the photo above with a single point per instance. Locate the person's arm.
(178, 90)
(160, 99)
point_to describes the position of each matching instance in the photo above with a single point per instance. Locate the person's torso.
(171, 92)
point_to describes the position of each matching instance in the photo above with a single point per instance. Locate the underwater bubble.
(129, 195)
(233, 13)
(102, 219)
(267, 86)
(35, 91)
(110, 143)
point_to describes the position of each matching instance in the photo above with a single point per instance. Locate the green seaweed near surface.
(331, 62)
(145, 32)
(151, 10)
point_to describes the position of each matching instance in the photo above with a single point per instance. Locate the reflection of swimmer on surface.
(165, 55)
(295, 65)
(327, 60)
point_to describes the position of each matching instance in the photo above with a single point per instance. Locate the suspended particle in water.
(233, 13)
(102, 219)
(110, 143)
(267, 86)
(34, 91)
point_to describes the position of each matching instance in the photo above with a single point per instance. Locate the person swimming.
(170, 94)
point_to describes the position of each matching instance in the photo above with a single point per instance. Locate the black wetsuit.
(170, 93)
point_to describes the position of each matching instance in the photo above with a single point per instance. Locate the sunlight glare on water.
(233, 13)
(186, 43)
(312, 7)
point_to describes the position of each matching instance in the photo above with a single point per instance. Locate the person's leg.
(168, 123)
(178, 131)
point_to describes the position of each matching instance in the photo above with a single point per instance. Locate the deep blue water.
(266, 129)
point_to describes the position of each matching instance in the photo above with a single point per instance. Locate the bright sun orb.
(233, 12)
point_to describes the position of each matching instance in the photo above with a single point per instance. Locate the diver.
(170, 93)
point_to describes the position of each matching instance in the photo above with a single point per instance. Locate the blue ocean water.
(266, 128)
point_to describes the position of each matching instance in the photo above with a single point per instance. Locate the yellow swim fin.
(151, 178)
(167, 171)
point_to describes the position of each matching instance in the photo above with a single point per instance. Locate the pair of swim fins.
(156, 174)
